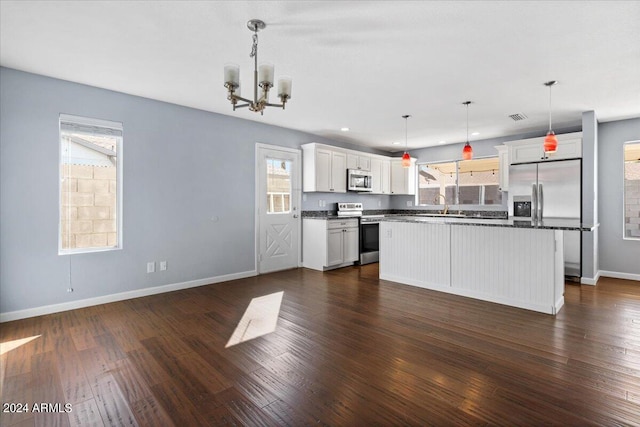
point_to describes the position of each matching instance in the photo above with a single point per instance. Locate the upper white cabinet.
(380, 175)
(324, 169)
(503, 162)
(358, 161)
(403, 180)
(532, 150)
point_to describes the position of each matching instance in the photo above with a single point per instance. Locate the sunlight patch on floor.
(259, 319)
(6, 347)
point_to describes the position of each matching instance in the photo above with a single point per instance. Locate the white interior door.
(278, 188)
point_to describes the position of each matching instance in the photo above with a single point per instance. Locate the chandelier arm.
(239, 98)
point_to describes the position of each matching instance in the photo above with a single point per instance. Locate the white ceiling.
(361, 64)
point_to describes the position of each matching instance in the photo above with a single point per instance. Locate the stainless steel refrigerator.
(555, 189)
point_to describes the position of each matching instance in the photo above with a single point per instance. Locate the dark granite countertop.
(547, 224)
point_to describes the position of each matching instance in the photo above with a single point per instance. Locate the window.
(632, 190)
(464, 182)
(278, 186)
(90, 185)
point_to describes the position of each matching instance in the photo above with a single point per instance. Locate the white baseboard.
(589, 280)
(618, 275)
(72, 305)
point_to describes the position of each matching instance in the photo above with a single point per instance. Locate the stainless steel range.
(369, 231)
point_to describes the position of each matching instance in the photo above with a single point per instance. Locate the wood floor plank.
(113, 407)
(348, 349)
(85, 414)
(149, 412)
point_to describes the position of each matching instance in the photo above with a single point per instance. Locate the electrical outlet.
(151, 267)
(409, 203)
(69, 290)
(379, 203)
(163, 265)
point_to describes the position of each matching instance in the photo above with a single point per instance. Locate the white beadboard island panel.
(416, 254)
(512, 266)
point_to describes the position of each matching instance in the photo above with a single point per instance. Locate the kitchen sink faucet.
(437, 201)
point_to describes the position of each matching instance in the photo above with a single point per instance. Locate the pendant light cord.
(405, 134)
(406, 144)
(467, 122)
(549, 108)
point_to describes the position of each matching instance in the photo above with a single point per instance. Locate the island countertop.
(547, 224)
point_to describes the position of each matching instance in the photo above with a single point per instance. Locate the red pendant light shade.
(406, 160)
(467, 152)
(550, 142)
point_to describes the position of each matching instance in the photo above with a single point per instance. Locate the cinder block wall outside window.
(89, 207)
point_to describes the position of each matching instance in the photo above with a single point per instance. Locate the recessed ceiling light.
(395, 143)
(442, 142)
(345, 129)
(475, 133)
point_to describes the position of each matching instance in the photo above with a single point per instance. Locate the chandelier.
(262, 78)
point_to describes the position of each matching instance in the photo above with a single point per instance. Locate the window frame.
(116, 129)
(457, 205)
(624, 191)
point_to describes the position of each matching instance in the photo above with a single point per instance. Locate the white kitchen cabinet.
(380, 176)
(403, 180)
(328, 244)
(503, 164)
(386, 177)
(324, 169)
(358, 161)
(532, 150)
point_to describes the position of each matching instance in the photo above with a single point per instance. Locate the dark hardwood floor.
(349, 350)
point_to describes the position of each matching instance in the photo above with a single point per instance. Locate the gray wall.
(181, 167)
(616, 254)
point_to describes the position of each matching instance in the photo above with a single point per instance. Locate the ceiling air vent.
(517, 117)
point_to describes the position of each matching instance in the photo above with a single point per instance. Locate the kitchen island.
(516, 263)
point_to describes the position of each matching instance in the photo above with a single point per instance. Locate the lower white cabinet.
(329, 243)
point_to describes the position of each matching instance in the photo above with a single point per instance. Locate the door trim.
(296, 193)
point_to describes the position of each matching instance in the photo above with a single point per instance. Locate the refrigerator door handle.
(540, 202)
(534, 202)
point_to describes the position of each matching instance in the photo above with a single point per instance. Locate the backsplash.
(468, 213)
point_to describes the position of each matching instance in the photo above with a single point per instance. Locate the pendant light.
(550, 141)
(467, 151)
(406, 158)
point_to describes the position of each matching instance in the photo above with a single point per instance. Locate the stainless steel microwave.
(358, 180)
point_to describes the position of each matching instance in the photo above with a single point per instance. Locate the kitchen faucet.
(446, 206)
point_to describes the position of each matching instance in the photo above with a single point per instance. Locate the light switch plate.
(163, 265)
(151, 267)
